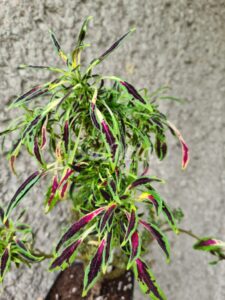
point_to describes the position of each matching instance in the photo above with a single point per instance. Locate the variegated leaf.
(93, 269)
(78, 225)
(159, 236)
(147, 281)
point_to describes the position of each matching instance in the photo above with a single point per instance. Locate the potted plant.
(92, 137)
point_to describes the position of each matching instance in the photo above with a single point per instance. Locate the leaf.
(66, 135)
(131, 90)
(132, 224)
(79, 225)
(100, 123)
(93, 269)
(153, 198)
(55, 185)
(61, 54)
(22, 191)
(135, 248)
(106, 217)
(24, 252)
(185, 150)
(43, 134)
(65, 256)
(169, 216)
(160, 146)
(107, 251)
(37, 152)
(36, 91)
(209, 244)
(5, 262)
(109, 51)
(81, 37)
(159, 236)
(147, 281)
(142, 181)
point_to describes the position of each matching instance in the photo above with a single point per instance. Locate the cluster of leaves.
(16, 244)
(93, 135)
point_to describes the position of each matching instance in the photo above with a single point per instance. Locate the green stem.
(188, 232)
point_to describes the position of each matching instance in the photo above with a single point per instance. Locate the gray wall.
(177, 43)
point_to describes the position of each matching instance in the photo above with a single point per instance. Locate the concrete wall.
(180, 43)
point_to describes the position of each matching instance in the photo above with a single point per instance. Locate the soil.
(68, 286)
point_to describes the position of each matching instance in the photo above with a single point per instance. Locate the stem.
(188, 232)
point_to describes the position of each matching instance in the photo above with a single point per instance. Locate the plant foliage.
(92, 137)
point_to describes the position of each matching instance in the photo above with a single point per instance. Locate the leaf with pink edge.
(147, 281)
(81, 223)
(159, 236)
(93, 269)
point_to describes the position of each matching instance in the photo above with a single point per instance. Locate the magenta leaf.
(37, 151)
(79, 225)
(147, 281)
(5, 261)
(93, 269)
(142, 181)
(132, 223)
(54, 188)
(135, 248)
(185, 150)
(159, 236)
(22, 190)
(106, 217)
(131, 90)
(209, 244)
(66, 135)
(65, 256)
(169, 216)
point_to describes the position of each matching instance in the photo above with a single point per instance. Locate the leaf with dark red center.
(22, 190)
(131, 90)
(105, 195)
(81, 36)
(159, 236)
(93, 269)
(144, 180)
(132, 224)
(25, 253)
(135, 248)
(106, 217)
(93, 116)
(66, 255)
(61, 54)
(209, 244)
(109, 51)
(43, 134)
(69, 172)
(160, 146)
(147, 281)
(5, 262)
(64, 189)
(79, 225)
(153, 198)
(66, 135)
(37, 151)
(185, 150)
(107, 251)
(55, 185)
(169, 216)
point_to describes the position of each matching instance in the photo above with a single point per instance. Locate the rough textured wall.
(180, 43)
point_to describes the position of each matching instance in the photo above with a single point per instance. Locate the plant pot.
(69, 284)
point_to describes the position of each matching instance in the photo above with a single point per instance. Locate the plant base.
(68, 286)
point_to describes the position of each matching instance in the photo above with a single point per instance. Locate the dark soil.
(68, 286)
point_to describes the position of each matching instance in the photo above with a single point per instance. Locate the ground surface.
(177, 43)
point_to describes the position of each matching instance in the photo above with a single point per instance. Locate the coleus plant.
(92, 137)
